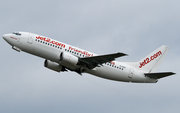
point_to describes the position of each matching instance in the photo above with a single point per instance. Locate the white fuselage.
(50, 49)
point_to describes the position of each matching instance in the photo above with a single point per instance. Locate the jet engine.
(53, 66)
(68, 58)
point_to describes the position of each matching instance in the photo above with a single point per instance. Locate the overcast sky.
(135, 27)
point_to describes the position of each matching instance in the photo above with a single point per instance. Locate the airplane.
(61, 57)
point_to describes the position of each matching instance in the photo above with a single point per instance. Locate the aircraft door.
(30, 38)
(131, 72)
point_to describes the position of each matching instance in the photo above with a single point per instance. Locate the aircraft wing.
(94, 61)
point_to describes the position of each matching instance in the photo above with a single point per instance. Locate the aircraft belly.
(110, 73)
(120, 75)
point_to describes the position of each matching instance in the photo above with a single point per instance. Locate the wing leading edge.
(94, 61)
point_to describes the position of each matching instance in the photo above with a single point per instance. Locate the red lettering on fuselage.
(79, 51)
(113, 63)
(85, 53)
(13, 38)
(50, 41)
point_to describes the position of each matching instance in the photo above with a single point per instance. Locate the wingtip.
(124, 54)
(172, 73)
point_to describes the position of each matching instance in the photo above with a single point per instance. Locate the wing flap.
(159, 75)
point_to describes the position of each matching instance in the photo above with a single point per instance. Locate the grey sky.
(100, 26)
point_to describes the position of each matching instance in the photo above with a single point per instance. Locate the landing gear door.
(30, 38)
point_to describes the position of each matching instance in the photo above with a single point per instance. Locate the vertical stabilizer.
(152, 61)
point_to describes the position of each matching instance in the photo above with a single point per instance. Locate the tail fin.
(151, 62)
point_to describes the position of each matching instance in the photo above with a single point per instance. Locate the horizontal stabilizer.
(159, 75)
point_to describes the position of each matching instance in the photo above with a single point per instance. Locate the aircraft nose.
(4, 36)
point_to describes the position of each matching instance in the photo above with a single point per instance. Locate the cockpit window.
(16, 33)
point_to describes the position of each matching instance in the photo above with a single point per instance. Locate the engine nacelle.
(68, 58)
(53, 66)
